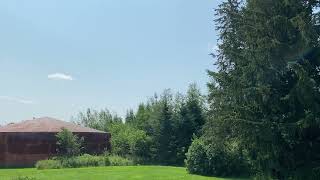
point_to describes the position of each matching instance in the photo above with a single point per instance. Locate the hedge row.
(83, 161)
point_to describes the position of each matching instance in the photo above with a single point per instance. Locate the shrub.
(129, 141)
(83, 161)
(197, 161)
(48, 164)
(89, 160)
(24, 178)
(68, 144)
(120, 161)
(216, 159)
(220, 161)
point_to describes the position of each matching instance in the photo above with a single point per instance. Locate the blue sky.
(60, 57)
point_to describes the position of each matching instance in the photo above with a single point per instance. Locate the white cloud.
(16, 100)
(60, 76)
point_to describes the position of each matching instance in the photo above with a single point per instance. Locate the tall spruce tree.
(130, 116)
(190, 121)
(195, 110)
(164, 136)
(265, 95)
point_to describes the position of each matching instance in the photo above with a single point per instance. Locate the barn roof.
(45, 124)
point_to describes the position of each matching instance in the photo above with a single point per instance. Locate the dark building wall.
(25, 149)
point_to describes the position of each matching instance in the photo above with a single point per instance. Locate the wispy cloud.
(16, 100)
(60, 76)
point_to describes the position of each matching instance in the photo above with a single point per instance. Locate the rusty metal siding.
(22, 149)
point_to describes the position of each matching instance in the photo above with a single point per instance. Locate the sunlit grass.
(106, 173)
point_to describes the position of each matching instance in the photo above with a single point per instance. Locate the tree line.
(261, 115)
(160, 131)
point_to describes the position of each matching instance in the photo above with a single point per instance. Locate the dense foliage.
(265, 96)
(68, 144)
(216, 159)
(159, 132)
(197, 160)
(85, 160)
(263, 102)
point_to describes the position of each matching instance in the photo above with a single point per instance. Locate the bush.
(48, 164)
(129, 141)
(216, 159)
(83, 161)
(220, 161)
(197, 161)
(88, 160)
(120, 161)
(24, 178)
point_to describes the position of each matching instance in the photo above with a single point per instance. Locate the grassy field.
(106, 173)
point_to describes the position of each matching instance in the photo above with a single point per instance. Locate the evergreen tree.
(165, 133)
(265, 95)
(143, 117)
(195, 110)
(190, 120)
(130, 116)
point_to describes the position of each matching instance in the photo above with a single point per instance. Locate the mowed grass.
(107, 173)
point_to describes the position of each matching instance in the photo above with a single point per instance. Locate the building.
(23, 144)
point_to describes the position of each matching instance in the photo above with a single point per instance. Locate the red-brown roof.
(45, 124)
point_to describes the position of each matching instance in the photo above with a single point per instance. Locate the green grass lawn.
(106, 173)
